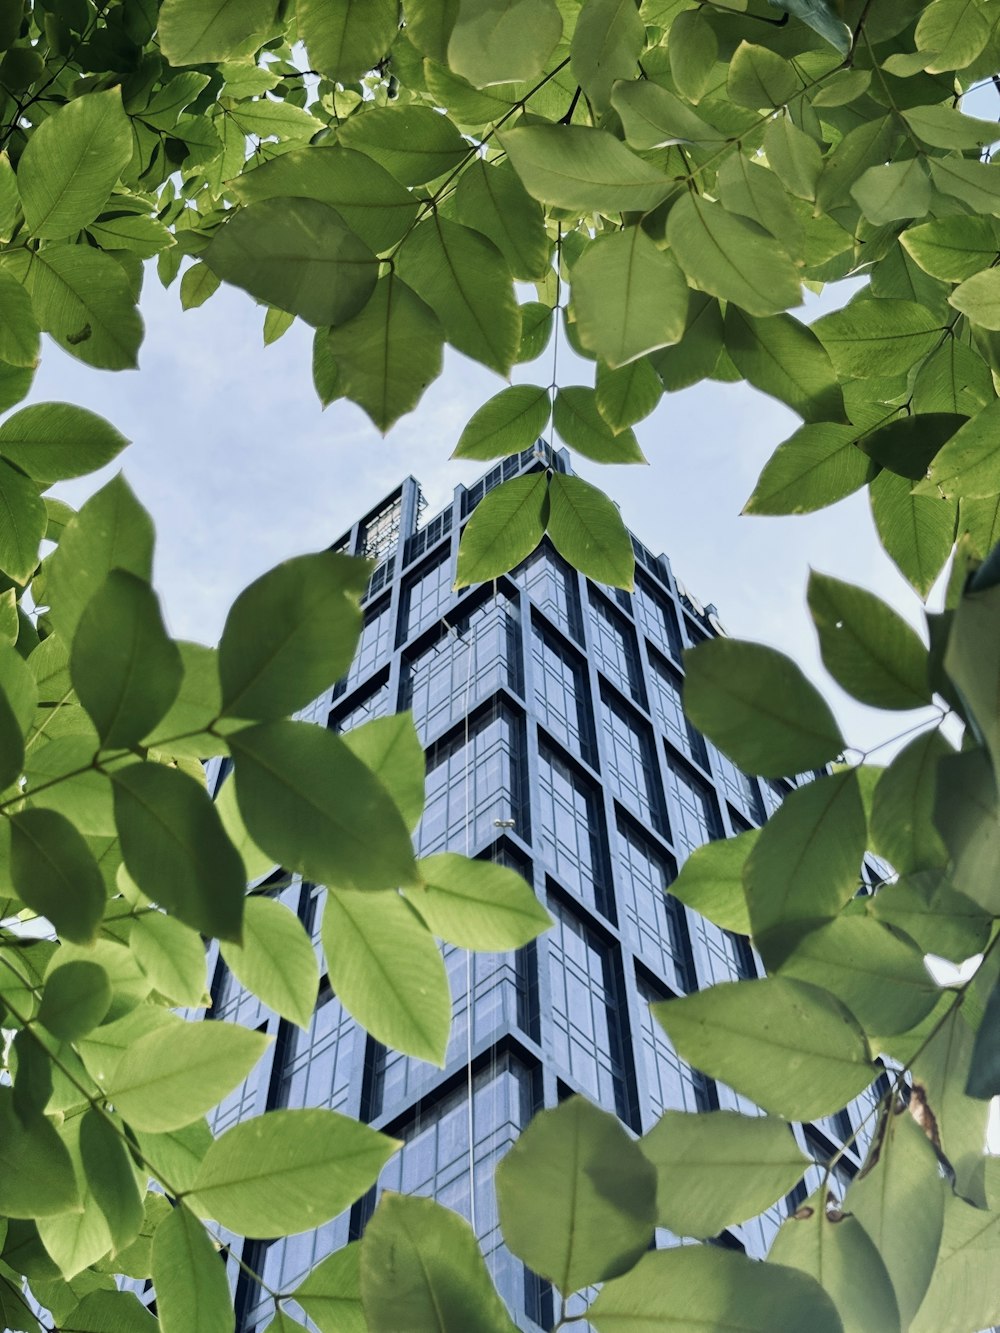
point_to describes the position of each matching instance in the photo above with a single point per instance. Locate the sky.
(240, 469)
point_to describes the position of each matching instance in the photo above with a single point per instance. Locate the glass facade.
(550, 712)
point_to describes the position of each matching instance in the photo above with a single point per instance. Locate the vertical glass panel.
(373, 646)
(631, 764)
(587, 1014)
(571, 838)
(615, 649)
(450, 677)
(425, 598)
(287, 1261)
(668, 710)
(656, 618)
(694, 815)
(774, 791)
(317, 1064)
(371, 706)
(472, 784)
(560, 684)
(552, 586)
(653, 922)
(719, 954)
(673, 1085)
(740, 788)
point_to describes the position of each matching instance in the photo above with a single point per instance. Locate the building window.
(474, 782)
(694, 814)
(615, 649)
(719, 954)
(774, 791)
(373, 647)
(552, 586)
(375, 704)
(571, 839)
(740, 788)
(446, 680)
(631, 763)
(315, 1065)
(589, 1032)
(560, 684)
(656, 619)
(426, 596)
(672, 1083)
(668, 710)
(653, 922)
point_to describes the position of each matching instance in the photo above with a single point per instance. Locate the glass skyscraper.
(550, 709)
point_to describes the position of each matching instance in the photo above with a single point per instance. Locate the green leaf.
(900, 1203)
(391, 748)
(331, 1294)
(654, 117)
(957, 1294)
(183, 729)
(576, 1197)
(793, 157)
(746, 187)
(174, 847)
(507, 41)
(586, 528)
(580, 424)
(55, 874)
(724, 255)
(952, 33)
(53, 441)
(705, 1288)
(837, 1251)
(318, 810)
(717, 1169)
(932, 913)
(109, 1172)
(82, 297)
(75, 999)
(347, 38)
(878, 336)
(607, 42)
(902, 827)
(815, 467)
(477, 905)
(172, 955)
(125, 668)
(387, 355)
(711, 881)
(197, 285)
(907, 445)
(968, 818)
(72, 162)
(917, 532)
(755, 704)
(953, 248)
(971, 182)
(693, 51)
(194, 32)
(582, 169)
(626, 395)
(387, 972)
(288, 1171)
(413, 143)
(111, 531)
(823, 18)
(629, 297)
(177, 1154)
(19, 335)
(505, 527)
(466, 282)
(978, 298)
(370, 200)
(189, 1277)
(507, 423)
(759, 78)
(80, 1236)
(969, 464)
(869, 649)
(972, 660)
(892, 191)
(788, 1046)
(22, 523)
(784, 358)
(36, 1172)
(172, 1075)
(298, 255)
(806, 864)
(490, 198)
(940, 1069)
(290, 635)
(276, 960)
(421, 1269)
(255, 862)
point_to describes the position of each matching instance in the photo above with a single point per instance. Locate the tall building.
(550, 709)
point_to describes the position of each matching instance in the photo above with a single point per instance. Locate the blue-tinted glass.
(586, 1011)
(371, 706)
(425, 598)
(694, 814)
(774, 791)
(668, 710)
(230, 1001)
(373, 646)
(656, 618)
(317, 1064)
(448, 679)
(740, 788)
(615, 648)
(652, 921)
(472, 786)
(571, 837)
(673, 1085)
(719, 954)
(552, 586)
(631, 763)
(560, 683)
